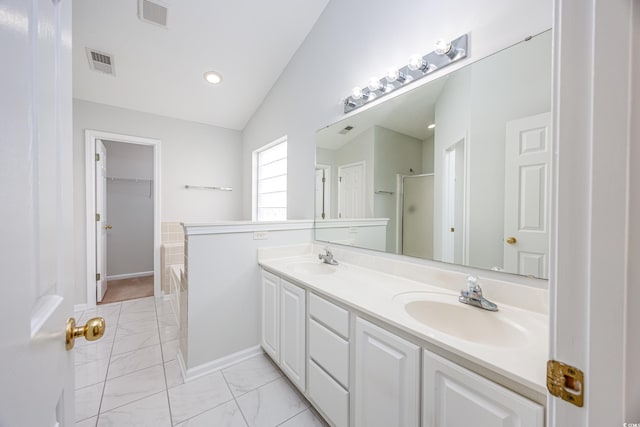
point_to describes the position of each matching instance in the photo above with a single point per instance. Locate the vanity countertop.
(380, 287)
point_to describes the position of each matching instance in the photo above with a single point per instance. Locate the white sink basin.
(312, 268)
(445, 314)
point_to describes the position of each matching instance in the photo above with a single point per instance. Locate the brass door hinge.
(97, 157)
(97, 277)
(565, 382)
(97, 217)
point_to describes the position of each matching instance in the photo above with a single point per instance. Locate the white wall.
(341, 52)
(191, 153)
(452, 118)
(632, 338)
(427, 155)
(359, 149)
(224, 288)
(129, 208)
(394, 153)
(632, 388)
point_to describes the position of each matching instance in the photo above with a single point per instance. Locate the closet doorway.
(123, 225)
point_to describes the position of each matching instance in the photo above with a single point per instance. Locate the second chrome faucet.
(473, 296)
(327, 257)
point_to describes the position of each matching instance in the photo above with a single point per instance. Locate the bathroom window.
(270, 181)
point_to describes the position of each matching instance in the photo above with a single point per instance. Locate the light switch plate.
(260, 235)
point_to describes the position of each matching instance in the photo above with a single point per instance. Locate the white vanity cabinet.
(455, 396)
(283, 326)
(359, 374)
(387, 378)
(328, 338)
(271, 315)
(292, 332)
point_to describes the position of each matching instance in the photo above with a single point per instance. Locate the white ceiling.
(160, 70)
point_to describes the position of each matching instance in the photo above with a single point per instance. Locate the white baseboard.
(218, 364)
(79, 307)
(130, 275)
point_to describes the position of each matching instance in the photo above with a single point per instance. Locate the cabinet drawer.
(327, 394)
(330, 315)
(329, 351)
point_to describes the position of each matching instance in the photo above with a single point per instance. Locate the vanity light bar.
(444, 54)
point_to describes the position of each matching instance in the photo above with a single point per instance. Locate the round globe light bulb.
(416, 62)
(356, 92)
(393, 74)
(374, 84)
(442, 47)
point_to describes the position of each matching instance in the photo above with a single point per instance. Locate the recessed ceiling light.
(431, 126)
(213, 77)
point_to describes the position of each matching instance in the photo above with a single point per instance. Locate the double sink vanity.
(457, 171)
(378, 341)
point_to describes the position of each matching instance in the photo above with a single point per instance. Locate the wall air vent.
(345, 130)
(154, 12)
(101, 61)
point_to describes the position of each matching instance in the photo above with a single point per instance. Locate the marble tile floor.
(131, 378)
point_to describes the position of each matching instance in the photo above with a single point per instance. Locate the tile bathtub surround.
(131, 378)
(171, 250)
(170, 254)
(172, 232)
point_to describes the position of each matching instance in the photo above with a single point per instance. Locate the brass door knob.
(108, 227)
(93, 330)
(511, 240)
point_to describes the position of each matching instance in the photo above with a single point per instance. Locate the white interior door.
(102, 225)
(527, 163)
(351, 191)
(36, 212)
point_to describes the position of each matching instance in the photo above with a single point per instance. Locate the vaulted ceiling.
(160, 70)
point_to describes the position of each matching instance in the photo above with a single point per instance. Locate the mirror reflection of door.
(417, 215)
(351, 191)
(527, 163)
(454, 203)
(323, 192)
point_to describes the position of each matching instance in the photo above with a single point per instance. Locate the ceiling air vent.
(345, 130)
(100, 61)
(154, 12)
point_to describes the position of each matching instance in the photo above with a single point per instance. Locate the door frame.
(90, 202)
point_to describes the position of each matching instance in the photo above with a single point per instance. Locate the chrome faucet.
(474, 297)
(328, 257)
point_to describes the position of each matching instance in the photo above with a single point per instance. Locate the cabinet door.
(271, 315)
(292, 332)
(454, 396)
(387, 378)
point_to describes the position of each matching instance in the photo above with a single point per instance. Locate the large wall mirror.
(456, 170)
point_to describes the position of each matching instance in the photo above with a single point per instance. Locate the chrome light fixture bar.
(445, 53)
